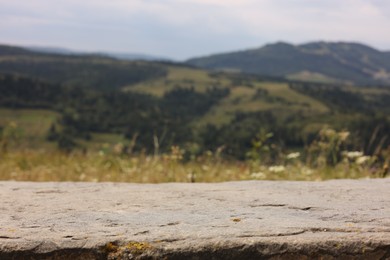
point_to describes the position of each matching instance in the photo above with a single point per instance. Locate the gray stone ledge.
(343, 219)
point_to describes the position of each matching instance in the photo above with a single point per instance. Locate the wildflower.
(205, 167)
(291, 156)
(277, 168)
(353, 154)
(307, 171)
(176, 153)
(258, 175)
(118, 148)
(362, 159)
(327, 132)
(343, 135)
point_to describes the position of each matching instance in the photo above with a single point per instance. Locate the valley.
(89, 104)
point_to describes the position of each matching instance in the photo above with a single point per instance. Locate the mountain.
(7, 50)
(340, 62)
(116, 55)
(134, 56)
(51, 50)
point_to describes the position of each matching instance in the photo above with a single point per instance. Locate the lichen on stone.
(126, 251)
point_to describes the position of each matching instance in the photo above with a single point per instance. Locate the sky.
(180, 29)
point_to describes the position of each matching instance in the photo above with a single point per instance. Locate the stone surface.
(236, 220)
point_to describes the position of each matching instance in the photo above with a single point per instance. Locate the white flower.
(307, 171)
(277, 168)
(353, 154)
(258, 175)
(118, 148)
(343, 135)
(205, 167)
(362, 159)
(293, 155)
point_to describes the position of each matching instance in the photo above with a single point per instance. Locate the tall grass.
(325, 158)
(100, 167)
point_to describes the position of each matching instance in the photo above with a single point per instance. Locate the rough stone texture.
(347, 219)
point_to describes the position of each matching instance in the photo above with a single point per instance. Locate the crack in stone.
(78, 239)
(142, 232)
(267, 205)
(303, 209)
(49, 191)
(169, 240)
(112, 225)
(274, 235)
(342, 230)
(31, 226)
(313, 230)
(330, 217)
(9, 237)
(281, 206)
(170, 224)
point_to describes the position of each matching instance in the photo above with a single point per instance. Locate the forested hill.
(318, 61)
(13, 50)
(171, 104)
(90, 71)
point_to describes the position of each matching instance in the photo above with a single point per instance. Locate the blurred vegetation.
(116, 163)
(174, 118)
(236, 126)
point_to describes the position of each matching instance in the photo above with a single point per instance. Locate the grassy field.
(281, 98)
(37, 121)
(240, 99)
(102, 167)
(299, 100)
(179, 76)
(29, 129)
(370, 93)
(105, 159)
(29, 126)
(313, 77)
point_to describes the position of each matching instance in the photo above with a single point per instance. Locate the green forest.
(171, 117)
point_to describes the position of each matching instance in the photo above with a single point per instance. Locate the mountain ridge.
(321, 61)
(115, 55)
(342, 62)
(16, 49)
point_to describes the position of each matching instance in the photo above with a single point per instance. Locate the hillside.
(155, 106)
(244, 94)
(329, 62)
(90, 71)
